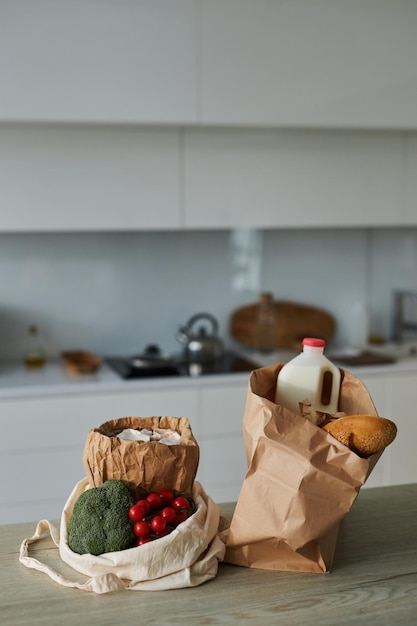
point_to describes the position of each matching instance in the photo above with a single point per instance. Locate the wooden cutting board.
(294, 322)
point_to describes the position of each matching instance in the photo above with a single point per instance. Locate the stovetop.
(230, 363)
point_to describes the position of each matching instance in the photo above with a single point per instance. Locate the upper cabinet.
(62, 178)
(170, 114)
(292, 178)
(321, 63)
(411, 180)
(304, 63)
(98, 61)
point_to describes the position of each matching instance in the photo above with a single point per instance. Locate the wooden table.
(374, 581)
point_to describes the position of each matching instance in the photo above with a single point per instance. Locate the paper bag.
(143, 466)
(300, 483)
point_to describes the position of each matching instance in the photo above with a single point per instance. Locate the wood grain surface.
(373, 582)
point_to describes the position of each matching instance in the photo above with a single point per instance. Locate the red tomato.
(158, 523)
(167, 496)
(136, 512)
(144, 504)
(164, 532)
(169, 514)
(141, 529)
(142, 540)
(180, 504)
(180, 517)
(154, 500)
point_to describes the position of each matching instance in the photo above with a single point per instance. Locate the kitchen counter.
(373, 581)
(53, 379)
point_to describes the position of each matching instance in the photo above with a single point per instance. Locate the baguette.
(363, 434)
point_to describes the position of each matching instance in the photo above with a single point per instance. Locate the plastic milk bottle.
(310, 375)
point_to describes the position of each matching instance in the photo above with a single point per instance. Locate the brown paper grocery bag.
(300, 483)
(143, 466)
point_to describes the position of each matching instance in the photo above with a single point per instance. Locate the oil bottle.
(35, 354)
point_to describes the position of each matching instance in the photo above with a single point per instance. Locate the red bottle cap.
(314, 343)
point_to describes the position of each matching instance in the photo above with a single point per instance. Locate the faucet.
(404, 316)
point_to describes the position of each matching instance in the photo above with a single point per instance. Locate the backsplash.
(117, 292)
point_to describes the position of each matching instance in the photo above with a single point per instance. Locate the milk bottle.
(311, 376)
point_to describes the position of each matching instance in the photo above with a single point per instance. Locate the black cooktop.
(132, 368)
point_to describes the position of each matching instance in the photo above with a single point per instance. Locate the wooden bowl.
(81, 362)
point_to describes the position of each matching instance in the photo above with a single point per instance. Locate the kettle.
(201, 346)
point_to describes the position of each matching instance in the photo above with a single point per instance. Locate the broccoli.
(99, 522)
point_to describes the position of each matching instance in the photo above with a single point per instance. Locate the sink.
(362, 357)
(383, 354)
(399, 350)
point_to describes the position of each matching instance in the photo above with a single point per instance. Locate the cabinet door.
(57, 178)
(222, 460)
(402, 451)
(331, 63)
(377, 387)
(42, 443)
(98, 61)
(266, 179)
(393, 396)
(411, 181)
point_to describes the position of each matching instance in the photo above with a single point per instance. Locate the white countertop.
(53, 379)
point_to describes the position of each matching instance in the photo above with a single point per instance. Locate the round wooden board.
(294, 322)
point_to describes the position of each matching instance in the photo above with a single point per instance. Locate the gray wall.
(116, 292)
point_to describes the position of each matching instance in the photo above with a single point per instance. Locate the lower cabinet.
(393, 396)
(223, 460)
(43, 438)
(401, 455)
(376, 386)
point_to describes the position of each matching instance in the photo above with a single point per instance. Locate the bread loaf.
(363, 434)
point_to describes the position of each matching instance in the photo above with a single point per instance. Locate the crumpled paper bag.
(143, 466)
(300, 482)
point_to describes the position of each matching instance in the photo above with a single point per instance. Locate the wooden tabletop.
(373, 581)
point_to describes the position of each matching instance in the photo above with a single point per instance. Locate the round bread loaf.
(363, 434)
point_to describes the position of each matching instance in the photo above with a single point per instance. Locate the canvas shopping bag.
(187, 557)
(300, 482)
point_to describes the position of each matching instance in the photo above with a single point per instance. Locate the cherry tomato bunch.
(157, 514)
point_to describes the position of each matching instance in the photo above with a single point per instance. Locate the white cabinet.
(112, 178)
(280, 178)
(393, 396)
(323, 63)
(43, 439)
(377, 387)
(327, 63)
(410, 180)
(98, 61)
(63, 178)
(80, 81)
(223, 461)
(402, 453)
